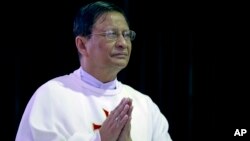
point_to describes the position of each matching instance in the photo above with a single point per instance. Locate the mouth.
(120, 55)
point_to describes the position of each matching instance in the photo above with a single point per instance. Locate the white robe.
(66, 109)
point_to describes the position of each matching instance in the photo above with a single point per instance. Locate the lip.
(120, 55)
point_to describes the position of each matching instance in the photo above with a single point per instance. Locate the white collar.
(88, 78)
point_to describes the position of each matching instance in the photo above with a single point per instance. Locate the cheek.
(102, 52)
(130, 49)
(97, 48)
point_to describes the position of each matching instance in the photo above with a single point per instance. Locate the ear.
(80, 42)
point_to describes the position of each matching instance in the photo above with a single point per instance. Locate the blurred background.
(173, 60)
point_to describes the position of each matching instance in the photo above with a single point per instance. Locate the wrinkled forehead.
(110, 18)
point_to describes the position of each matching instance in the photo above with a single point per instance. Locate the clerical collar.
(86, 77)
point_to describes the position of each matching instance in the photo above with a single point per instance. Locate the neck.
(102, 75)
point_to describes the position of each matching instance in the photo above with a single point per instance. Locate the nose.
(122, 42)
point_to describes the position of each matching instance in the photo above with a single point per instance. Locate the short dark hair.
(88, 15)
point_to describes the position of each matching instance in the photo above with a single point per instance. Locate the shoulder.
(57, 81)
(136, 94)
(59, 84)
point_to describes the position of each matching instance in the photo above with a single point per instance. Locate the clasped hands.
(117, 125)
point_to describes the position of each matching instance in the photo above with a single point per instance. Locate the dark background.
(173, 61)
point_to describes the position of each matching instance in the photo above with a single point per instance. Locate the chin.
(121, 64)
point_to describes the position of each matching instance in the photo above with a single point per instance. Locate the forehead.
(111, 19)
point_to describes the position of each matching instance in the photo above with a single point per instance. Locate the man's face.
(106, 53)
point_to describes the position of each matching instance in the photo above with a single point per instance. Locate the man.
(90, 104)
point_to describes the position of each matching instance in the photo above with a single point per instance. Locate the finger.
(130, 111)
(123, 112)
(121, 102)
(116, 112)
(130, 101)
(118, 115)
(120, 123)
